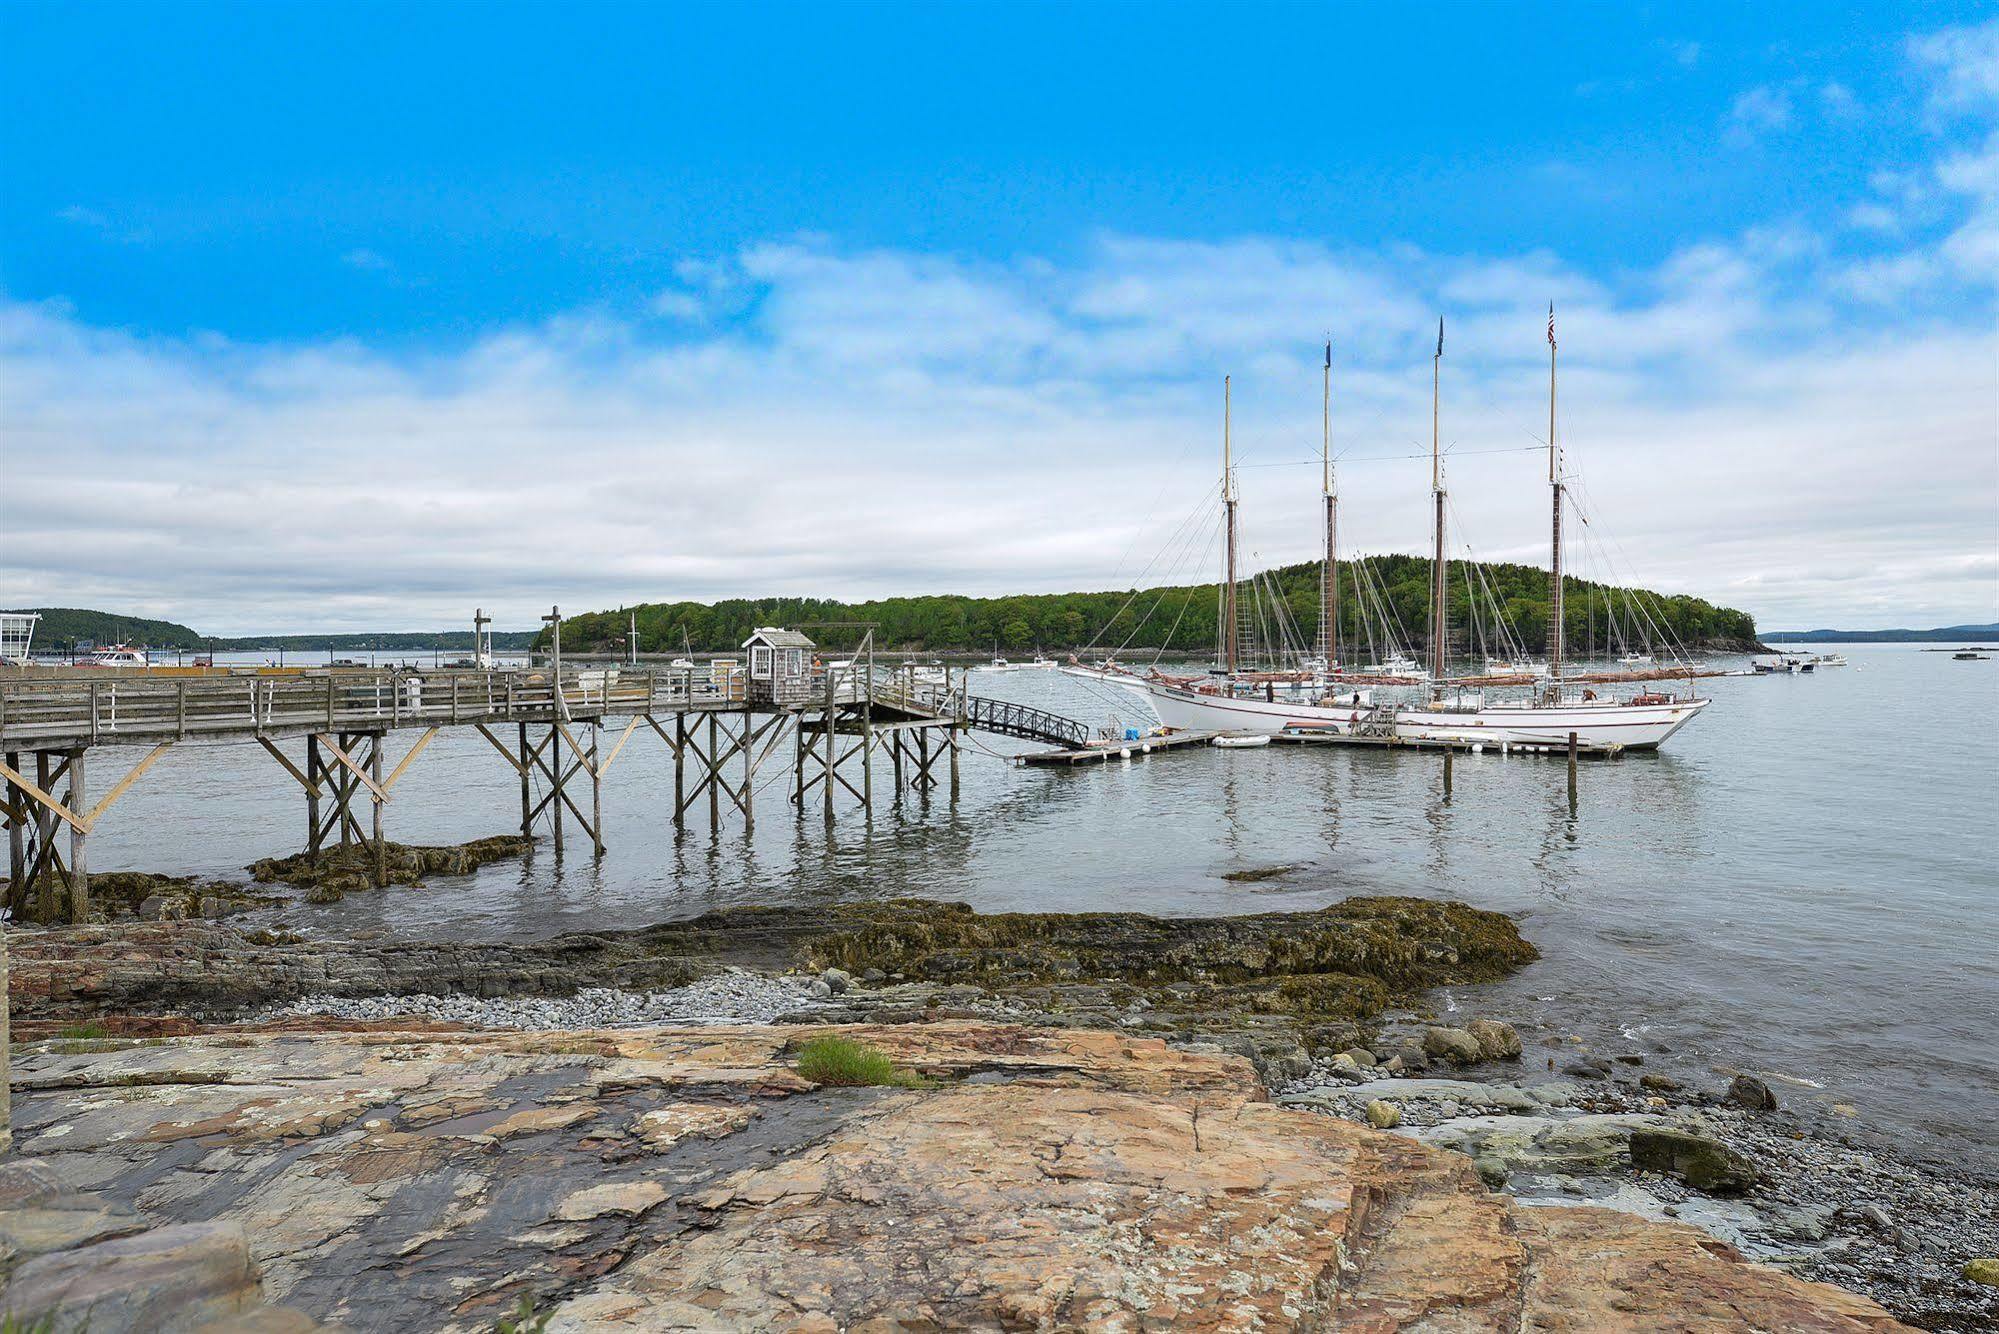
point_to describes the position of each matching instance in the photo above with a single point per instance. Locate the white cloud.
(1761, 110)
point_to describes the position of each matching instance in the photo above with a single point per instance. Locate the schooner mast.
(1438, 573)
(1230, 638)
(1557, 628)
(1329, 578)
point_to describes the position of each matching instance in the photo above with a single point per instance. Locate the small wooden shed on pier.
(780, 666)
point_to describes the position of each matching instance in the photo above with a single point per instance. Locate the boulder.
(1382, 1115)
(169, 1278)
(1496, 1041)
(1703, 1163)
(1541, 1145)
(1454, 1045)
(1751, 1092)
(1659, 1083)
(1983, 1270)
(838, 979)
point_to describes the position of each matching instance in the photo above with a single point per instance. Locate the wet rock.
(1587, 1067)
(1750, 1092)
(1703, 1163)
(1496, 1041)
(1360, 1056)
(838, 980)
(1452, 1044)
(1382, 1115)
(1659, 1083)
(338, 871)
(1984, 1270)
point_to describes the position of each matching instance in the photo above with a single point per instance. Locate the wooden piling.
(1572, 773)
(680, 764)
(596, 795)
(45, 835)
(527, 793)
(79, 844)
(749, 773)
(17, 833)
(313, 773)
(381, 850)
(1449, 749)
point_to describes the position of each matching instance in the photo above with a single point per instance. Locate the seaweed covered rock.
(338, 870)
(120, 895)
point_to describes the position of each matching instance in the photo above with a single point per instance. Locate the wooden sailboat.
(1232, 700)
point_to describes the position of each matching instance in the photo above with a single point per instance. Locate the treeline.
(64, 627)
(1182, 618)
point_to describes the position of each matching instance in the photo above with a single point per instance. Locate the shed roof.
(773, 637)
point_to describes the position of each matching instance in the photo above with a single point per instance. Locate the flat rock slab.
(688, 1178)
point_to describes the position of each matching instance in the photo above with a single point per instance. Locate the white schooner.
(1324, 698)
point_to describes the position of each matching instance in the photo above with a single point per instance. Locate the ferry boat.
(1234, 700)
(117, 655)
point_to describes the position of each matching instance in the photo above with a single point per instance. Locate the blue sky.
(1014, 244)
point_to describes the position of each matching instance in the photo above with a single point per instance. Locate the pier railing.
(45, 712)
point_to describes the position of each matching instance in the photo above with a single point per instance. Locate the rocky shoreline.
(681, 1178)
(1325, 1006)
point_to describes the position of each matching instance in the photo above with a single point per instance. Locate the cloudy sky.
(352, 317)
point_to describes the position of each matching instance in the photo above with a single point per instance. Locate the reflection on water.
(1802, 882)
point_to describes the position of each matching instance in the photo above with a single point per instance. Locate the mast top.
(1226, 497)
(1326, 426)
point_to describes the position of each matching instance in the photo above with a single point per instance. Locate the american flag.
(1551, 324)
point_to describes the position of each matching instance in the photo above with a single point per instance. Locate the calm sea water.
(1802, 883)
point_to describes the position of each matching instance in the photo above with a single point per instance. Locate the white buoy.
(1478, 748)
(1125, 754)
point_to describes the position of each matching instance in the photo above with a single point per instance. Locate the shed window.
(760, 662)
(794, 662)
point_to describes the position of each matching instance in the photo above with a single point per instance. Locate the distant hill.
(1881, 636)
(1179, 618)
(61, 627)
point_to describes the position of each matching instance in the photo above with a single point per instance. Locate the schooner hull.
(1630, 726)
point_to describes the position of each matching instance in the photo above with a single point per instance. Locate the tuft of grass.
(83, 1031)
(848, 1064)
(526, 1318)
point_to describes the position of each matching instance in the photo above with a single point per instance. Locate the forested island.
(1183, 618)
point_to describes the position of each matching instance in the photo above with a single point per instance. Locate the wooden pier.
(560, 729)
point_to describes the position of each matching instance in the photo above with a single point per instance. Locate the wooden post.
(45, 834)
(749, 775)
(527, 775)
(6, 1034)
(314, 771)
(381, 849)
(17, 835)
(345, 797)
(554, 772)
(713, 778)
(596, 796)
(832, 755)
(952, 736)
(79, 844)
(680, 761)
(868, 763)
(1448, 748)
(1572, 773)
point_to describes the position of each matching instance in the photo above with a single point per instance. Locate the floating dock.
(1120, 750)
(1328, 737)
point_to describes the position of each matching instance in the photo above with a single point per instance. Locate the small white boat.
(1636, 660)
(117, 655)
(1830, 659)
(1241, 741)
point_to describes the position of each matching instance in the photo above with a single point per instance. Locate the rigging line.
(1186, 546)
(1389, 458)
(1191, 516)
